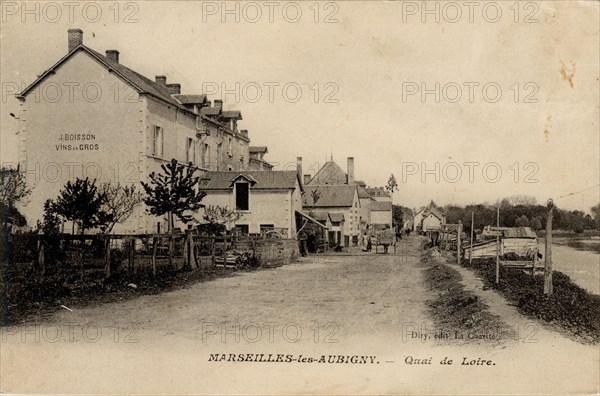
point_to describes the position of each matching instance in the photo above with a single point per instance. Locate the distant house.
(365, 204)
(381, 214)
(342, 203)
(266, 200)
(428, 219)
(257, 161)
(331, 174)
(379, 194)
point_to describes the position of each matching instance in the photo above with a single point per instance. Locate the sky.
(462, 103)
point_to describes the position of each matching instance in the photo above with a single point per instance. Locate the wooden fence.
(148, 252)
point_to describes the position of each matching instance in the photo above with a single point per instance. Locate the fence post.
(41, 259)
(132, 256)
(548, 254)
(212, 248)
(471, 247)
(458, 232)
(107, 258)
(171, 245)
(498, 245)
(154, 246)
(186, 253)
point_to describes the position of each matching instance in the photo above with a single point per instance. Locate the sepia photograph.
(300, 197)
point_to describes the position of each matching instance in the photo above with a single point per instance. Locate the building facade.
(264, 200)
(90, 116)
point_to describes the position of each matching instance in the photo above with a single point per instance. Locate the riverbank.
(456, 310)
(571, 308)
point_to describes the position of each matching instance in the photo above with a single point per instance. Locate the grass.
(570, 307)
(27, 297)
(456, 310)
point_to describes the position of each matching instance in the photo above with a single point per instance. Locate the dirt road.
(358, 318)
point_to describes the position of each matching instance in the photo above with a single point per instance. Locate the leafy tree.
(13, 190)
(119, 204)
(596, 215)
(398, 214)
(174, 193)
(51, 222)
(522, 221)
(81, 203)
(392, 184)
(536, 223)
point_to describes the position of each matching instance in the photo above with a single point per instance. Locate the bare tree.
(315, 196)
(217, 217)
(120, 202)
(14, 186)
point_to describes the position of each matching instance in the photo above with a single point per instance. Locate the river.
(579, 258)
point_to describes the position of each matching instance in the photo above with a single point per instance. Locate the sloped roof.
(510, 232)
(312, 219)
(336, 217)
(232, 114)
(258, 149)
(141, 83)
(330, 173)
(378, 192)
(520, 232)
(436, 212)
(210, 111)
(321, 216)
(191, 99)
(362, 193)
(381, 206)
(329, 195)
(275, 180)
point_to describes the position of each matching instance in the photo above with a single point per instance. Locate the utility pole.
(458, 232)
(548, 256)
(498, 244)
(471, 249)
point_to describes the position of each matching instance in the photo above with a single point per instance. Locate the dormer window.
(242, 195)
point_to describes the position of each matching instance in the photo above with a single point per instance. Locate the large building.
(90, 115)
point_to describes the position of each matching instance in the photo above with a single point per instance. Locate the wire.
(577, 192)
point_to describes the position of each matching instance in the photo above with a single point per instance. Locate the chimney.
(113, 55)
(244, 132)
(162, 80)
(299, 167)
(219, 103)
(174, 89)
(307, 179)
(75, 38)
(350, 170)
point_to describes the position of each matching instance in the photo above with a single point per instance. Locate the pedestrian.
(369, 243)
(303, 237)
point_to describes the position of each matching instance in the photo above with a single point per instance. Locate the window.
(242, 192)
(157, 141)
(230, 148)
(242, 229)
(190, 152)
(266, 227)
(205, 155)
